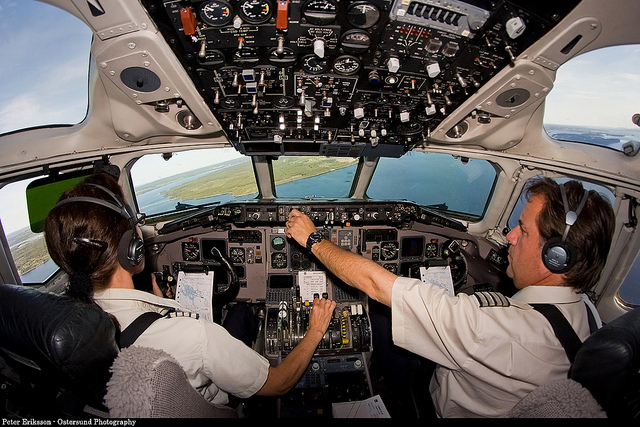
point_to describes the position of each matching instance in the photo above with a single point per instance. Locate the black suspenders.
(563, 329)
(137, 327)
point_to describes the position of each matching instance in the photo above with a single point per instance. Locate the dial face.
(363, 15)
(190, 251)
(277, 243)
(319, 12)
(279, 260)
(389, 251)
(347, 65)
(314, 65)
(237, 255)
(431, 250)
(216, 13)
(355, 41)
(256, 11)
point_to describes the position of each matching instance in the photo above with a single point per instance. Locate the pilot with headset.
(491, 350)
(93, 236)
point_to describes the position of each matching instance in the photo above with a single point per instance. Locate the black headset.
(131, 246)
(558, 255)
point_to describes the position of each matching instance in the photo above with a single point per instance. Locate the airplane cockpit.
(406, 130)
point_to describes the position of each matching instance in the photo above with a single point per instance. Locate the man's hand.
(156, 289)
(299, 226)
(320, 316)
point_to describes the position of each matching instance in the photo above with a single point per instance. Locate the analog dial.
(279, 260)
(389, 251)
(190, 251)
(278, 243)
(320, 12)
(347, 65)
(355, 41)
(314, 65)
(237, 255)
(363, 15)
(256, 11)
(216, 13)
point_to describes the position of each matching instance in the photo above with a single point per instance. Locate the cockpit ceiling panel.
(362, 78)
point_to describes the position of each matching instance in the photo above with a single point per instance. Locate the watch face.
(313, 238)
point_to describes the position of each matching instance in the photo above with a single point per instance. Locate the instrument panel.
(275, 273)
(345, 78)
(271, 268)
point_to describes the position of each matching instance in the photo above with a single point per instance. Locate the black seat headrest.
(63, 339)
(607, 365)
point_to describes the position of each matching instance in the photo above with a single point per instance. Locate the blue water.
(421, 178)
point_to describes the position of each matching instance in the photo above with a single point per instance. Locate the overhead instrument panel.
(344, 78)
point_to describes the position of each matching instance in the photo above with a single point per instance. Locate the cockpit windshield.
(166, 183)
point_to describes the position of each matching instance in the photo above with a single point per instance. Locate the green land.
(234, 177)
(239, 180)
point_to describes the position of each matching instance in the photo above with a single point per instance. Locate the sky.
(45, 56)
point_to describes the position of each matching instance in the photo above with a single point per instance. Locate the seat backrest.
(57, 342)
(563, 398)
(607, 365)
(149, 383)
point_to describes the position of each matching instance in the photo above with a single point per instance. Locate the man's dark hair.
(590, 236)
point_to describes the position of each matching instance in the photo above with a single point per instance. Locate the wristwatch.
(313, 238)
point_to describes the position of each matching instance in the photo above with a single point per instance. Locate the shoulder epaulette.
(491, 299)
(173, 314)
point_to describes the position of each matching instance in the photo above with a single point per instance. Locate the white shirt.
(488, 357)
(215, 362)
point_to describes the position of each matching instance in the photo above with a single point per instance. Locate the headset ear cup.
(557, 255)
(130, 250)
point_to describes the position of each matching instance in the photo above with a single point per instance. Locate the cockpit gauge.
(256, 11)
(190, 251)
(389, 251)
(278, 243)
(314, 65)
(278, 260)
(363, 14)
(355, 41)
(347, 65)
(237, 255)
(320, 12)
(287, 58)
(246, 57)
(431, 250)
(216, 13)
